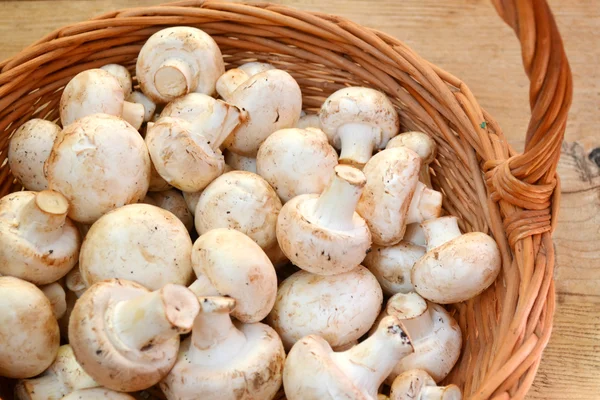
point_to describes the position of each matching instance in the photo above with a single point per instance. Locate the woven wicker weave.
(487, 184)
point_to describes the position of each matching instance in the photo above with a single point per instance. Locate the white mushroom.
(28, 328)
(126, 337)
(309, 121)
(222, 360)
(157, 182)
(28, 149)
(98, 163)
(296, 161)
(425, 204)
(38, 243)
(243, 201)
(229, 263)
(64, 376)
(97, 394)
(358, 120)
(323, 234)
(313, 371)
(456, 267)
(232, 79)
(96, 91)
(415, 234)
(423, 145)
(149, 105)
(240, 163)
(416, 384)
(74, 281)
(172, 201)
(191, 200)
(57, 297)
(176, 61)
(339, 308)
(138, 242)
(123, 76)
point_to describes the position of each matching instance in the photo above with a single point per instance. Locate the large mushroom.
(98, 163)
(221, 359)
(416, 384)
(126, 337)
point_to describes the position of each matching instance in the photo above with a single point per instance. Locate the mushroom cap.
(392, 176)
(318, 249)
(392, 266)
(108, 361)
(39, 262)
(419, 142)
(92, 91)
(243, 201)
(458, 270)
(363, 106)
(232, 79)
(340, 308)
(272, 101)
(138, 242)
(296, 161)
(141, 98)
(410, 384)
(309, 121)
(182, 157)
(97, 394)
(123, 76)
(255, 373)
(98, 163)
(240, 163)
(237, 267)
(172, 201)
(28, 150)
(28, 328)
(180, 46)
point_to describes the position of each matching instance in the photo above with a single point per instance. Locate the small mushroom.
(278, 259)
(63, 322)
(416, 384)
(309, 121)
(232, 79)
(425, 204)
(176, 61)
(123, 76)
(243, 201)
(271, 100)
(456, 267)
(126, 337)
(149, 105)
(57, 297)
(28, 328)
(138, 242)
(97, 394)
(28, 150)
(423, 145)
(97, 91)
(172, 201)
(240, 163)
(74, 281)
(339, 308)
(98, 163)
(222, 359)
(38, 243)
(191, 200)
(296, 161)
(64, 376)
(435, 335)
(313, 371)
(229, 263)
(323, 234)
(358, 120)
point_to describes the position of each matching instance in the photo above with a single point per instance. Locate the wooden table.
(466, 38)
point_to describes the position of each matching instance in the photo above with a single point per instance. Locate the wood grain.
(467, 38)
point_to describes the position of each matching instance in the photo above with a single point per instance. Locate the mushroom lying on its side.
(416, 384)
(423, 145)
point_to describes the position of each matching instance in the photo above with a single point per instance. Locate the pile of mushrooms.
(185, 232)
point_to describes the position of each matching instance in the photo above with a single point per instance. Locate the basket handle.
(550, 91)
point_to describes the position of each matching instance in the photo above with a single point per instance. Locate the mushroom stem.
(202, 286)
(440, 230)
(425, 204)
(133, 113)
(357, 142)
(414, 313)
(225, 119)
(173, 78)
(335, 207)
(155, 317)
(43, 218)
(215, 339)
(370, 362)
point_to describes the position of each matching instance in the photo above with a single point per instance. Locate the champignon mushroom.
(38, 243)
(176, 61)
(229, 263)
(97, 394)
(243, 201)
(309, 121)
(28, 328)
(339, 308)
(74, 281)
(97, 91)
(278, 259)
(296, 161)
(126, 337)
(221, 360)
(271, 100)
(28, 150)
(191, 200)
(323, 234)
(358, 120)
(172, 201)
(157, 183)
(57, 297)
(416, 384)
(149, 105)
(240, 163)
(456, 267)
(123, 76)
(138, 242)
(415, 234)
(425, 204)
(232, 79)
(98, 163)
(313, 371)
(64, 376)
(423, 145)
(435, 335)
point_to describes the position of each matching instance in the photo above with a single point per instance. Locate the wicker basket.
(486, 183)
